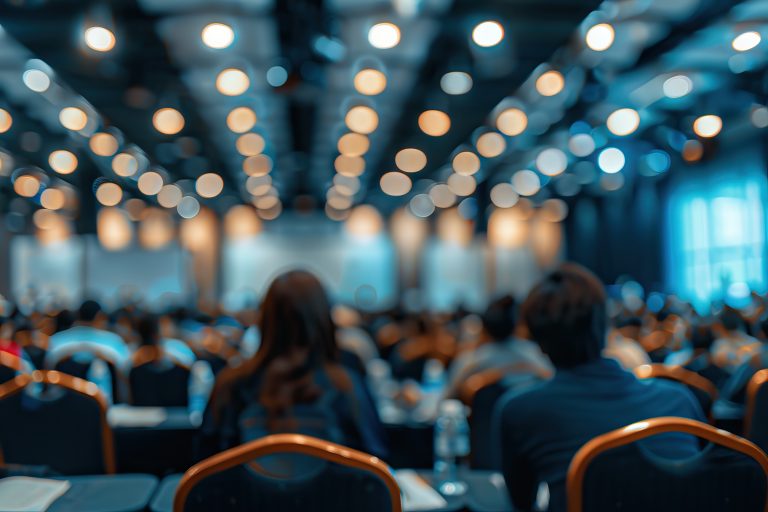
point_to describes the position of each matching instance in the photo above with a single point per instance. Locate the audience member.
(89, 335)
(295, 372)
(542, 428)
(521, 360)
(733, 346)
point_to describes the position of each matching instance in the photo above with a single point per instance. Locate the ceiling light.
(746, 41)
(600, 37)
(487, 34)
(550, 83)
(677, 86)
(370, 82)
(168, 121)
(62, 161)
(707, 126)
(456, 83)
(434, 123)
(623, 121)
(384, 35)
(36, 80)
(611, 160)
(73, 118)
(232, 82)
(218, 35)
(99, 39)
(512, 121)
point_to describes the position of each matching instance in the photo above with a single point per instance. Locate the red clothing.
(10, 347)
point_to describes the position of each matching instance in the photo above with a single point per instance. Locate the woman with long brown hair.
(295, 381)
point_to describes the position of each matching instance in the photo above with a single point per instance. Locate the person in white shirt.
(89, 336)
(734, 346)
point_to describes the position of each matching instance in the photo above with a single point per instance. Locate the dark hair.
(88, 311)
(566, 315)
(702, 336)
(499, 318)
(64, 320)
(298, 338)
(628, 321)
(732, 320)
(148, 329)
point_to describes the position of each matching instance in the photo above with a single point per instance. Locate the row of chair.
(153, 380)
(33, 436)
(482, 391)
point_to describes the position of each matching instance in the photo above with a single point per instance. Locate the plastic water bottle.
(432, 388)
(451, 443)
(99, 374)
(200, 386)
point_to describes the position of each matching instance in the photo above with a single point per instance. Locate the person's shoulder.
(528, 398)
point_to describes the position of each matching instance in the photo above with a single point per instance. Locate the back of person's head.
(63, 320)
(89, 311)
(500, 317)
(296, 315)
(566, 315)
(148, 329)
(298, 338)
(731, 320)
(702, 336)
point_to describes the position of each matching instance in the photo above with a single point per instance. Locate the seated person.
(149, 332)
(90, 335)
(734, 346)
(542, 428)
(295, 376)
(622, 345)
(520, 358)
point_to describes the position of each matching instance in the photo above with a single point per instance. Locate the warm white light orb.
(708, 126)
(600, 37)
(99, 39)
(218, 35)
(488, 33)
(623, 121)
(746, 41)
(384, 35)
(232, 82)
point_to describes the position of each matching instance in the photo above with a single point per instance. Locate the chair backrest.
(704, 390)
(756, 412)
(480, 392)
(350, 480)
(72, 365)
(10, 366)
(64, 426)
(158, 381)
(613, 472)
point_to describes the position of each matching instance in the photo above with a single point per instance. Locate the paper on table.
(129, 416)
(417, 494)
(26, 494)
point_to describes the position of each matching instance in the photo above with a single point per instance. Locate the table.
(168, 446)
(486, 493)
(106, 493)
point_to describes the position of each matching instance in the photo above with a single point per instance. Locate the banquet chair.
(614, 471)
(480, 392)
(252, 477)
(756, 412)
(705, 391)
(58, 421)
(10, 366)
(158, 381)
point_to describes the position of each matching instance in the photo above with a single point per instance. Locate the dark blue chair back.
(756, 413)
(614, 472)
(57, 421)
(341, 479)
(159, 383)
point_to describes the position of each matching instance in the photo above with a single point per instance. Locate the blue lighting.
(716, 234)
(658, 161)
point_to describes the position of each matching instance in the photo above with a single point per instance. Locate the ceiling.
(159, 61)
